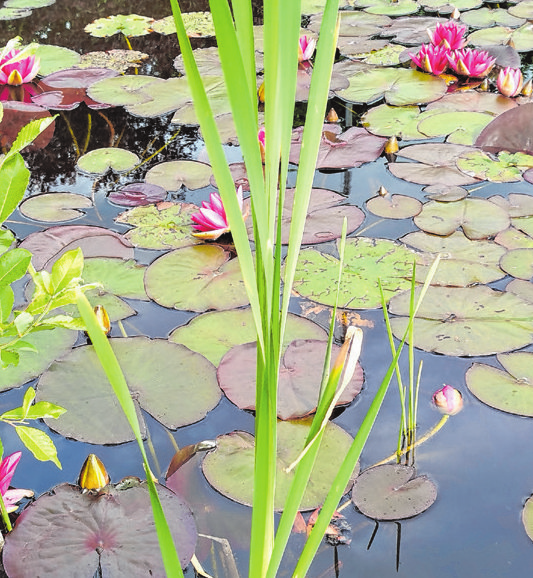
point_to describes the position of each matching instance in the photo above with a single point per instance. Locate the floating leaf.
(518, 263)
(522, 289)
(399, 121)
(478, 218)
(389, 7)
(55, 207)
(510, 390)
(173, 175)
(115, 307)
(513, 238)
(53, 58)
(459, 127)
(213, 334)
(137, 195)
(521, 38)
(162, 226)
(445, 194)
(411, 30)
(182, 391)
(487, 17)
(517, 205)
(197, 24)
(111, 531)
(527, 517)
(360, 47)
(208, 279)
(466, 321)
(394, 206)
(507, 168)
(443, 7)
(470, 100)
(122, 278)
(18, 115)
(392, 492)
(99, 161)
(299, 377)
(463, 261)
(512, 131)
(129, 25)
(229, 469)
(118, 60)
(365, 261)
(123, 90)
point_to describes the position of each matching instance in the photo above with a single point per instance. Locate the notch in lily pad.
(99, 161)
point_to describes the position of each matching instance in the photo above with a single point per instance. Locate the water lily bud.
(93, 475)
(448, 400)
(527, 89)
(261, 93)
(391, 146)
(332, 116)
(455, 15)
(510, 81)
(103, 318)
(382, 192)
(484, 86)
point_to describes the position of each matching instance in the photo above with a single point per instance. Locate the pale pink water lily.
(471, 62)
(432, 59)
(510, 81)
(211, 221)
(448, 400)
(16, 69)
(449, 34)
(306, 48)
(261, 139)
(7, 470)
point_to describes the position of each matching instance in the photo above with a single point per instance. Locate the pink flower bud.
(448, 400)
(510, 81)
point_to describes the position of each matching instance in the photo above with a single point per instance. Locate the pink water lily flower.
(261, 139)
(449, 34)
(432, 59)
(471, 62)
(211, 221)
(448, 400)
(16, 69)
(510, 81)
(7, 470)
(306, 48)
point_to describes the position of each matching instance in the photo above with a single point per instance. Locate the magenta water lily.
(432, 58)
(448, 400)
(7, 470)
(471, 62)
(510, 81)
(450, 35)
(306, 48)
(211, 221)
(16, 69)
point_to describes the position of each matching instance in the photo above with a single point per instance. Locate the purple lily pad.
(138, 194)
(239, 174)
(341, 151)
(512, 131)
(19, 114)
(68, 533)
(300, 373)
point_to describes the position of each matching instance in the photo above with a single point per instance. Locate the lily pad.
(517, 205)
(388, 7)
(521, 38)
(435, 166)
(463, 262)
(518, 263)
(118, 60)
(55, 207)
(512, 131)
(162, 226)
(466, 321)
(513, 238)
(325, 216)
(459, 127)
(527, 517)
(478, 218)
(399, 121)
(393, 492)
(445, 194)
(50, 344)
(299, 377)
(397, 86)
(99, 161)
(213, 334)
(173, 175)
(506, 168)
(129, 25)
(388, 55)
(411, 30)
(510, 390)
(67, 533)
(354, 23)
(208, 279)
(182, 391)
(365, 261)
(470, 100)
(522, 289)
(53, 58)
(394, 206)
(137, 195)
(116, 308)
(122, 278)
(487, 17)
(444, 7)
(229, 469)
(362, 48)
(123, 90)
(197, 24)
(18, 115)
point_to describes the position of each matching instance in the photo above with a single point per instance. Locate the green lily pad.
(435, 166)
(363, 48)
(397, 86)
(458, 127)
(13, 13)
(120, 277)
(299, 377)
(487, 17)
(129, 25)
(510, 390)
(478, 218)
(173, 175)
(365, 261)
(513, 238)
(523, 9)
(123, 90)
(523, 289)
(443, 7)
(389, 55)
(182, 391)
(463, 262)
(50, 344)
(516, 204)
(399, 121)
(229, 468)
(527, 517)
(445, 194)
(392, 492)
(162, 226)
(99, 161)
(53, 58)
(518, 263)
(394, 206)
(487, 102)
(388, 7)
(115, 307)
(522, 38)
(161, 98)
(213, 334)
(411, 30)
(217, 94)
(197, 24)
(55, 207)
(208, 279)
(466, 321)
(119, 60)
(506, 168)
(30, 4)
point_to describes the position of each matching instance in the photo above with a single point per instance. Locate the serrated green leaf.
(14, 178)
(39, 444)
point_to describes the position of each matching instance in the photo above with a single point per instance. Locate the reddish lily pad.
(137, 195)
(173, 175)
(19, 114)
(99, 161)
(229, 469)
(340, 151)
(487, 102)
(55, 207)
(68, 533)
(213, 334)
(208, 279)
(517, 205)
(510, 390)
(512, 131)
(299, 378)
(394, 206)
(466, 321)
(182, 391)
(392, 492)
(411, 30)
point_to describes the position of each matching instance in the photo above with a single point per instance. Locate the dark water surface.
(481, 461)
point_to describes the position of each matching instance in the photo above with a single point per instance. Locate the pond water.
(480, 461)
